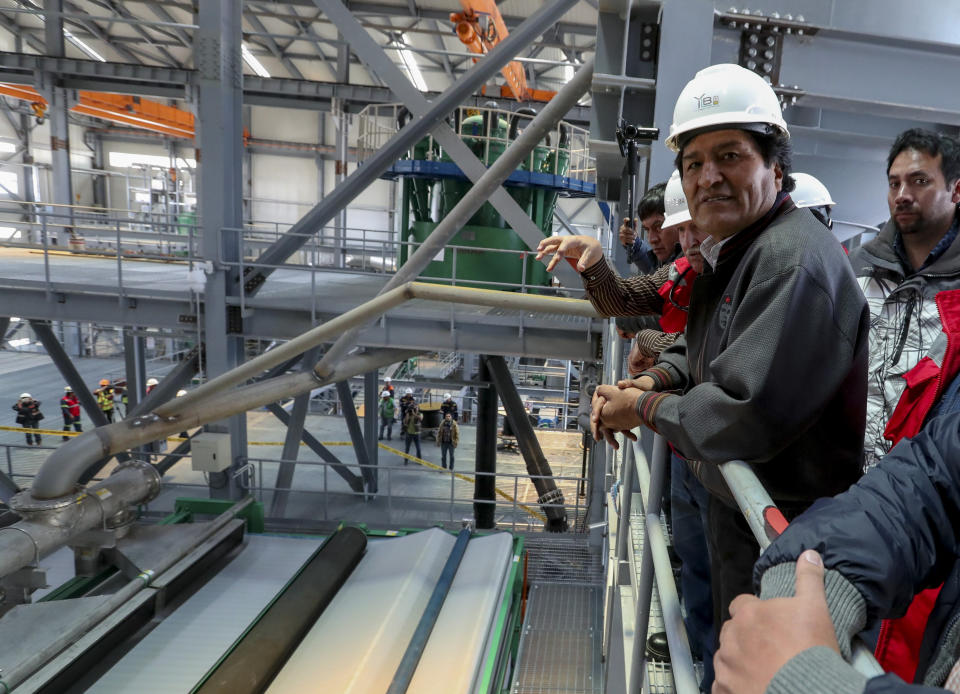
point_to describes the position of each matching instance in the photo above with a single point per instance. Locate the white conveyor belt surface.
(359, 640)
(180, 650)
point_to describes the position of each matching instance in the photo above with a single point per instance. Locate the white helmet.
(181, 393)
(385, 394)
(447, 396)
(25, 395)
(809, 192)
(408, 391)
(152, 382)
(724, 94)
(674, 203)
(387, 379)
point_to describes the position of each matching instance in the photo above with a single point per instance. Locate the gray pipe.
(12, 677)
(46, 527)
(58, 475)
(498, 172)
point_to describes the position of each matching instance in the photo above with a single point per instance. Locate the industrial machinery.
(215, 606)
(486, 252)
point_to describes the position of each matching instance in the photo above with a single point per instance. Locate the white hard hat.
(387, 379)
(385, 394)
(152, 382)
(809, 192)
(447, 396)
(675, 203)
(724, 94)
(25, 395)
(408, 391)
(181, 393)
(67, 389)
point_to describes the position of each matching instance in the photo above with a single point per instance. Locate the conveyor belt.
(262, 651)
(180, 650)
(359, 640)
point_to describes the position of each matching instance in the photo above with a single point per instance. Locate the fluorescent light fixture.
(410, 63)
(124, 160)
(252, 61)
(7, 233)
(7, 147)
(19, 342)
(83, 47)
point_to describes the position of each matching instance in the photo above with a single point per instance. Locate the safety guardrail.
(763, 518)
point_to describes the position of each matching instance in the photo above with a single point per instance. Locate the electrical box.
(210, 452)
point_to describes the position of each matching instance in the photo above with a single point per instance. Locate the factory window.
(9, 184)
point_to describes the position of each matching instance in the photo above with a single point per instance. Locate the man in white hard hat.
(448, 406)
(151, 384)
(406, 402)
(388, 385)
(28, 416)
(810, 193)
(772, 367)
(388, 413)
(70, 409)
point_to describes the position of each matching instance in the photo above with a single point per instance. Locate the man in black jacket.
(891, 535)
(772, 368)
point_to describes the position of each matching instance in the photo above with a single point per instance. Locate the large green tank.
(488, 133)
(480, 268)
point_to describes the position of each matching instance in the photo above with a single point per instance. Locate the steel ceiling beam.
(377, 62)
(431, 119)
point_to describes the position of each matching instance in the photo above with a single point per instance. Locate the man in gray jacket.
(915, 257)
(772, 368)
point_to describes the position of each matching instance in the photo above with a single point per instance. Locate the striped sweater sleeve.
(613, 295)
(652, 342)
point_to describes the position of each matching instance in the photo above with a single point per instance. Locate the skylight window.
(83, 46)
(251, 60)
(410, 63)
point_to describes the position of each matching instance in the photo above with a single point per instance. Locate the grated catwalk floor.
(560, 644)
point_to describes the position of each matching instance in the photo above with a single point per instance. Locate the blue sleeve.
(894, 532)
(640, 255)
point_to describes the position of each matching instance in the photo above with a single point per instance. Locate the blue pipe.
(418, 642)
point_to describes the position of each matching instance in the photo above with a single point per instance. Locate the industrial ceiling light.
(83, 46)
(410, 63)
(252, 61)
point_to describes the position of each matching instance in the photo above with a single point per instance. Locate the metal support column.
(484, 489)
(686, 42)
(220, 136)
(432, 119)
(549, 494)
(377, 61)
(136, 367)
(69, 372)
(356, 435)
(58, 107)
(371, 416)
(4, 327)
(291, 444)
(356, 484)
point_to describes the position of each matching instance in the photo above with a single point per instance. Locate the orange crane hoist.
(481, 39)
(117, 108)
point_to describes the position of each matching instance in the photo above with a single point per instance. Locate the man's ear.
(955, 191)
(778, 176)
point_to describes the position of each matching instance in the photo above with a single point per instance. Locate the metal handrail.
(757, 507)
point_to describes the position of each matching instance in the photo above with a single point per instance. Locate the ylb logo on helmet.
(706, 101)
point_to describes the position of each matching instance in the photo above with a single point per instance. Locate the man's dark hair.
(773, 148)
(931, 143)
(652, 201)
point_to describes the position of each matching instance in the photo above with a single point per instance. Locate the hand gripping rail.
(766, 522)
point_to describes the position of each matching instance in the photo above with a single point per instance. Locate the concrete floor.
(410, 494)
